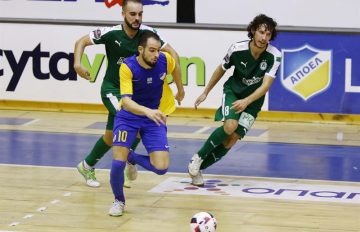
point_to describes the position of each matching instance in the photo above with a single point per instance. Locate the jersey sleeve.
(277, 61)
(227, 61)
(126, 88)
(170, 61)
(98, 36)
(167, 101)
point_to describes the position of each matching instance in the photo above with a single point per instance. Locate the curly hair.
(259, 20)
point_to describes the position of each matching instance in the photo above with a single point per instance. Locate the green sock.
(97, 152)
(214, 140)
(135, 144)
(214, 156)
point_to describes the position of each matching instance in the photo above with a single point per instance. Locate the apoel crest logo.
(306, 71)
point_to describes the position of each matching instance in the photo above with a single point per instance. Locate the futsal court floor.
(284, 176)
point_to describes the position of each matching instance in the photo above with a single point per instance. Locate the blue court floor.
(259, 159)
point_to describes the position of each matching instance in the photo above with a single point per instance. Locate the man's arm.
(176, 73)
(240, 105)
(78, 52)
(156, 115)
(216, 76)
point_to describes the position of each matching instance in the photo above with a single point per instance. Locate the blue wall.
(318, 61)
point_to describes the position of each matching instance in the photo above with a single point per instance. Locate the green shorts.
(110, 97)
(246, 118)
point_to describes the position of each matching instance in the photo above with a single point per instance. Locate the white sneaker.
(197, 180)
(117, 208)
(131, 171)
(89, 175)
(127, 182)
(194, 165)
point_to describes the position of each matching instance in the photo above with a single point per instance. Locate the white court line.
(10, 231)
(209, 175)
(202, 130)
(31, 122)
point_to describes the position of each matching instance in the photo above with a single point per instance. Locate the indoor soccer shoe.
(194, 165)
(117, 208)
(197, 180)
(127, 182)
(131, 171)
(89, 175)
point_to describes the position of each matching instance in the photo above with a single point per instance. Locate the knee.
(230, 126)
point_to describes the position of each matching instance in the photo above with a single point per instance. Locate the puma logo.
(243, 63)
(118, 43)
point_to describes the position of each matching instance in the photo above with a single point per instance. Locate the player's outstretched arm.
(216, 76)
(179, 96)
(78, 52)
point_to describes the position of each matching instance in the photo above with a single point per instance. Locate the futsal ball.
(203, 222)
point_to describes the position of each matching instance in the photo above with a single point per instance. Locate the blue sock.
(144, 161)
(117, 179)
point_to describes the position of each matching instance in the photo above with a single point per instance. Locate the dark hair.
(259, 20)
(146, 35)
(125, 2)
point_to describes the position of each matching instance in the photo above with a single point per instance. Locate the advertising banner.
(92, 10)
(36, 62)
(319, 73)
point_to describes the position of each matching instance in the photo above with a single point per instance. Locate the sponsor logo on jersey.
(306, 71)
(149, 80)
(251, 81)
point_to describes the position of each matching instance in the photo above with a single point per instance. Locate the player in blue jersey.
(143, 109)
(255, 63)
(120, 41)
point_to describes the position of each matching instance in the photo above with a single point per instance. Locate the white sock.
(86, 166)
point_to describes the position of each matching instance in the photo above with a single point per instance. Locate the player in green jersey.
(255, 64)
(120, 41)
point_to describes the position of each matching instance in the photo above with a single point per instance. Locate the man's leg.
(157, 162)
(117, 180)
(124, 132)
(86, 167)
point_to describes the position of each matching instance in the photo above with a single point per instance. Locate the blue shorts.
(127, 125)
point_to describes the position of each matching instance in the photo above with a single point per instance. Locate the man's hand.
(157, 116)
(240, 105)
(200, 99)
(180, 96)
(82, 72)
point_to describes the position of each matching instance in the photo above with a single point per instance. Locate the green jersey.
(249, 72)
(118, 46)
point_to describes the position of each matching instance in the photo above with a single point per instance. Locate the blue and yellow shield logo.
(306, 71)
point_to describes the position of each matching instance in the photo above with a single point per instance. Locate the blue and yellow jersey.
(148, 87)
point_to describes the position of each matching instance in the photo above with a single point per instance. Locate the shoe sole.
(115, 215)
(198, 185)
